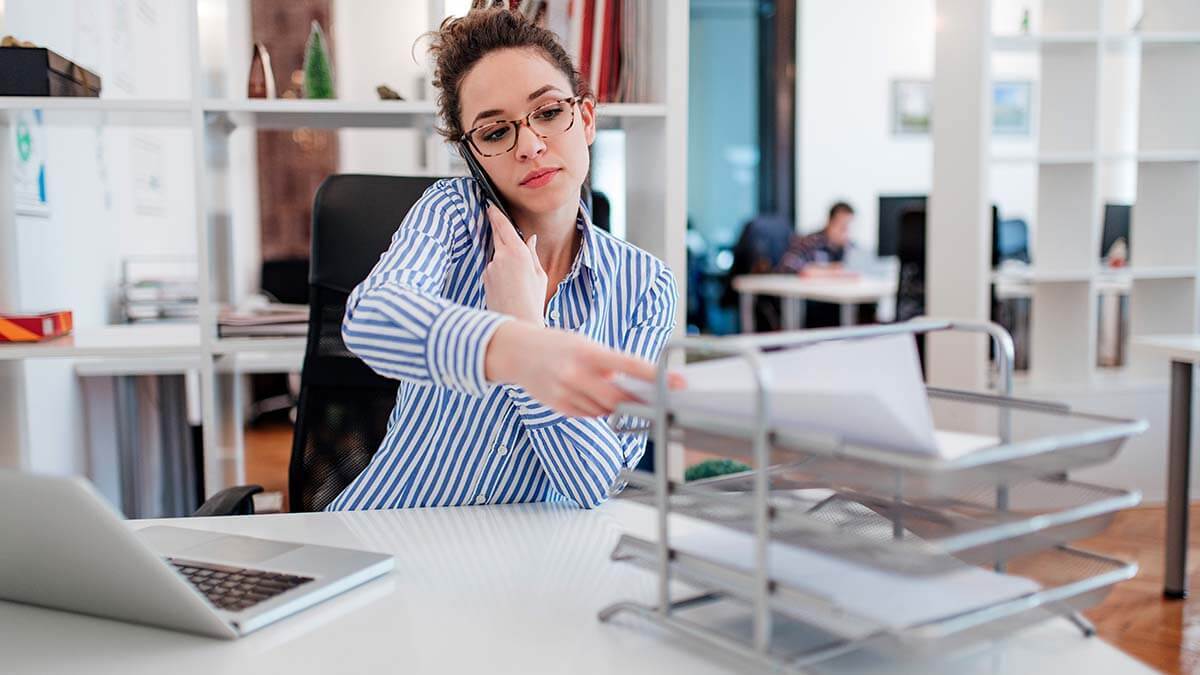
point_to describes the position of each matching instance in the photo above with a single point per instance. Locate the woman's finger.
(502, 231)
(618, 362)
(584, 406)
(532, 244)
(607, 395)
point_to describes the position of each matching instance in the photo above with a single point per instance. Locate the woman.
(506, 347)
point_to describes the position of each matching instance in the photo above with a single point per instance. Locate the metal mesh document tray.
(913, 537)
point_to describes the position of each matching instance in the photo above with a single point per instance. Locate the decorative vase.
(318, 73)
(261, 83)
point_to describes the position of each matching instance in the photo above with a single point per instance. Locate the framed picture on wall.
(912, 107)
(1011, 107)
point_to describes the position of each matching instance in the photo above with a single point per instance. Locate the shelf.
(1166, 156)
(1165, 38)
(268, 113)
(288, 114)
(1046, 276)
(142, 341)
(1035, 41)
(1162, 272)
(1046, 158)
(161, 348)
(1123, 275)
(258, 345)
(77, 110)
(274, 361)
(1053, 158)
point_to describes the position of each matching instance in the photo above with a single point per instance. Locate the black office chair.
(760, 247)
(344, 405)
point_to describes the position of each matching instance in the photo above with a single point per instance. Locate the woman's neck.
(557, 238)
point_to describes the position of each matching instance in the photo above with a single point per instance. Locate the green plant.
(710, 468)
(318, 72)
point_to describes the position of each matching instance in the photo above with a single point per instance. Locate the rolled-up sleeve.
(397, 321)
(583, 456)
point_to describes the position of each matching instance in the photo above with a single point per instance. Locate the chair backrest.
(910, 248)
(344, 406)
(761, 245)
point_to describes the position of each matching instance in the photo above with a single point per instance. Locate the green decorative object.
(318, 72)
(711, 468)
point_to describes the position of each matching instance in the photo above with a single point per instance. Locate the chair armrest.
(234, 501)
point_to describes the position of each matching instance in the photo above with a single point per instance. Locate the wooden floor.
(1135, 618)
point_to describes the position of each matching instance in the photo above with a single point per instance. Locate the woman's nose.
(529, 144)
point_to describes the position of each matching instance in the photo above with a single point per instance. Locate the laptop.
(65, 548)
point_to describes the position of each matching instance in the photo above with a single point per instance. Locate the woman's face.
(506, 85)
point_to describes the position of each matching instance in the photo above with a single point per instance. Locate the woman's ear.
(587, 111)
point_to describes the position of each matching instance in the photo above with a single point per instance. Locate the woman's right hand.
(563, 370)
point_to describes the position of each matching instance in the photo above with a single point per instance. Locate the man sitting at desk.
(820, 254)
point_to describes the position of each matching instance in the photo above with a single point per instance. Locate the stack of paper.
(886, 598)
(867, 392)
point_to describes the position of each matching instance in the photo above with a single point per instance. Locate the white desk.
(497, 589)
(1183, 351)
(794, 289)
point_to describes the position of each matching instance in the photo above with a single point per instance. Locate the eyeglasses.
(497, 138)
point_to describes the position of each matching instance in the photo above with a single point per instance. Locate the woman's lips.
(540, 179)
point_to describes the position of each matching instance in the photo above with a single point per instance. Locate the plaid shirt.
(812, 248)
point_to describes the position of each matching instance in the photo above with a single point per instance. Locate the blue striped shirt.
(454, 438)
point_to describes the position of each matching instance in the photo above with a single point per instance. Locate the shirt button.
(554, 315)
(481, 499)
(502, 451)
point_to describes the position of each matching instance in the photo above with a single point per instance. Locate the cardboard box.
(34, 327)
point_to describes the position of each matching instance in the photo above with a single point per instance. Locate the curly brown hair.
(460, 42)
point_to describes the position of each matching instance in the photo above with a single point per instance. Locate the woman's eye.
(548, 114)
(496, 134)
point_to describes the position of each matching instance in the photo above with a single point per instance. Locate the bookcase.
(1118, 120)
(220, 123)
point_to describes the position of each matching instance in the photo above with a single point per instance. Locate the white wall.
(71, 259)
(850, 52)
(373, 45)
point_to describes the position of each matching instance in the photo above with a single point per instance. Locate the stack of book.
(602, 38)
(270, 320)
(159, 288)
(160, 300)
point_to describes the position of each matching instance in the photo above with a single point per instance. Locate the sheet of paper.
(893, 600)
(866, 391)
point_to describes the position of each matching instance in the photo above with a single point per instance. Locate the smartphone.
(490, 193)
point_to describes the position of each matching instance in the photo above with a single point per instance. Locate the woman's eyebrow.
(494, 112)
(542, 90)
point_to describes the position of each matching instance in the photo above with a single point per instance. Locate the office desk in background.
(113, 364)
(1183, 352)
(496, 589)
(794, 290)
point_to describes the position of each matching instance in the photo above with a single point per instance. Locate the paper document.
(893, 600)
(868, 392)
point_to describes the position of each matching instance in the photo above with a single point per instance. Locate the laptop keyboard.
(234, 588)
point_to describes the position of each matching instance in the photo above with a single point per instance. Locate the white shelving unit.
(1079, 45)
(655, 198)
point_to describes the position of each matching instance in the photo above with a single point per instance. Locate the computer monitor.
(891, 208)
(1116, 226)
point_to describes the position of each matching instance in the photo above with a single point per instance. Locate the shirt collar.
(587, 244)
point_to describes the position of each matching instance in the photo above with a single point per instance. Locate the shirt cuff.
(533, 412)
(456, 348)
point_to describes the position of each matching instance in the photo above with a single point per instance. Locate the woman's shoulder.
(622, 257)
(448, 204)
(459, 191)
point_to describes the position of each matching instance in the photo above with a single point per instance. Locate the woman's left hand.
(514, 282)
